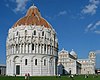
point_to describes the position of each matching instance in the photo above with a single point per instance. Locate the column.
(50, 49)
(26, 48)
(14, 49)
(21, 66)
(46, 49)
(32, 67)
(13, 68)
(43, 49)
(20, 50)
(41, 66)
(23, 48)
(36, 48)
(49, 67)
(10, 48)
(54, 66)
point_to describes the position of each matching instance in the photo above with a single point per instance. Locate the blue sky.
(76, 22)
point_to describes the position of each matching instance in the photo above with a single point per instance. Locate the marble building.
(2, 69)
(31, 46)
(68, 63)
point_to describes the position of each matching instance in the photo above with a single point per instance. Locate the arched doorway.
(63, 70)
(16, 65)
(69, 71)
(17, 69)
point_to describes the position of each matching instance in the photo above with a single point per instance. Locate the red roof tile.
(33, 17)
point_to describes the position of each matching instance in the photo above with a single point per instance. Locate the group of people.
(27, 76)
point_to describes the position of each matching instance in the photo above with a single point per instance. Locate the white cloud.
(91, 7)
(97, 32)
(7, 5)
(61, 13)
(97, 24)
(21, 5)
(94, 1)
(48, 17)
(88, 27)
(93, 27)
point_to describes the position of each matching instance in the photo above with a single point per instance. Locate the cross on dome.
(33, 6)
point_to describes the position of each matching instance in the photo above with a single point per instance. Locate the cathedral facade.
(31, 46)
(68, 63)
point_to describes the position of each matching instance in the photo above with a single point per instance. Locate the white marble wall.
(19, 47)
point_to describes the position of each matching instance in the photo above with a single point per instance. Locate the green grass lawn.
(81, 77)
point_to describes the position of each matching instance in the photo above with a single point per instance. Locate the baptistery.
(31, 46)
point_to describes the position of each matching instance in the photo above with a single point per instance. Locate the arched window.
(42, 49)
(35, 61)
(16, 47)
(43, 33)
(39, 48)
(32, 46)
(25, 61)
(44, 62)
(45, 47)
(17, 33)
(25, 32)
(34, 32)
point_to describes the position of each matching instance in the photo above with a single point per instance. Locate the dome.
(73, 53)
(32, 17)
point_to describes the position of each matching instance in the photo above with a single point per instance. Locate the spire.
(63, 49)
(33, 6)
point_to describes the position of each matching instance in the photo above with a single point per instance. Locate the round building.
(31, 46)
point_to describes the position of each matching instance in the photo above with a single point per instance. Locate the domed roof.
(73, 52)
(32, 17)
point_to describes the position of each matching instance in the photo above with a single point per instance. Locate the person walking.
(25, 76)
(28, 76)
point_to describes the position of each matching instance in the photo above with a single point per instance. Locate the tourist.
(72, 77)
(25, 76)
(59, 75)
(28, 76)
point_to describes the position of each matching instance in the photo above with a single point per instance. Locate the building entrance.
(17, 69)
